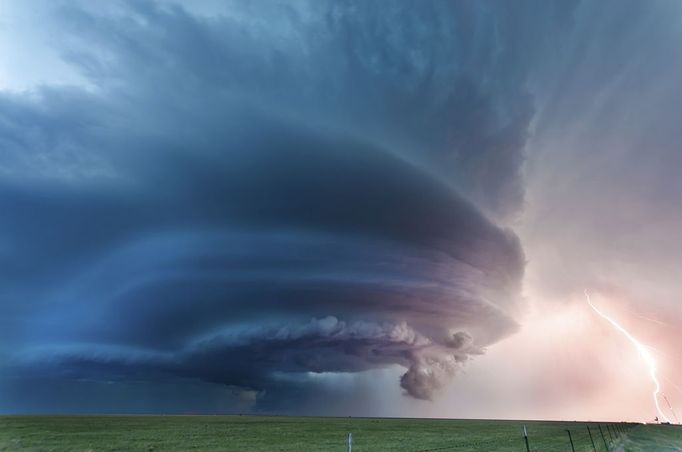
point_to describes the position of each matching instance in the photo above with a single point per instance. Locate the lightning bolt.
(643, 352)
(671, 408)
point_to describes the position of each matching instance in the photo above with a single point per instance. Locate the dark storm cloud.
(287, 228)
(447, 79)
(250, 198)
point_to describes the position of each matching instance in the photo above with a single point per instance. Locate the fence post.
(570, 439)
(603, 437)
(525, 437)
(350, 443)
(591, 439)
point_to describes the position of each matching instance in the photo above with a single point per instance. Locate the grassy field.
(251, 433)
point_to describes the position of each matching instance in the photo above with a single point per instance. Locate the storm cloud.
(254, 197)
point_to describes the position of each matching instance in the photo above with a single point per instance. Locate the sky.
(340, 208)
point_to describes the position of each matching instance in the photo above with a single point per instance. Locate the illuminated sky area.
(344, 208)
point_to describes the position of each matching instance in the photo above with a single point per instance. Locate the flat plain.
(281, 433)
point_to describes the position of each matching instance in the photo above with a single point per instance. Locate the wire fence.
(594, 437)
(597, 437)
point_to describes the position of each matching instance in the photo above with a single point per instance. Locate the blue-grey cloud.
(247, 199)
(273, 229)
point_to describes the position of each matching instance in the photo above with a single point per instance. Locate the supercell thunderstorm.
(256, 211)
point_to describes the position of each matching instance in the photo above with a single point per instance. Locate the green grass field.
(251, 433)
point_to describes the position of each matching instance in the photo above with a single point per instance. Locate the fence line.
(616, 428)
(614, 431)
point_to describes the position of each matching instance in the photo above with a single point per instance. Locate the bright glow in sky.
(643, 351)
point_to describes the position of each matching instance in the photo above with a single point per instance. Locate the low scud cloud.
(222, 205)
